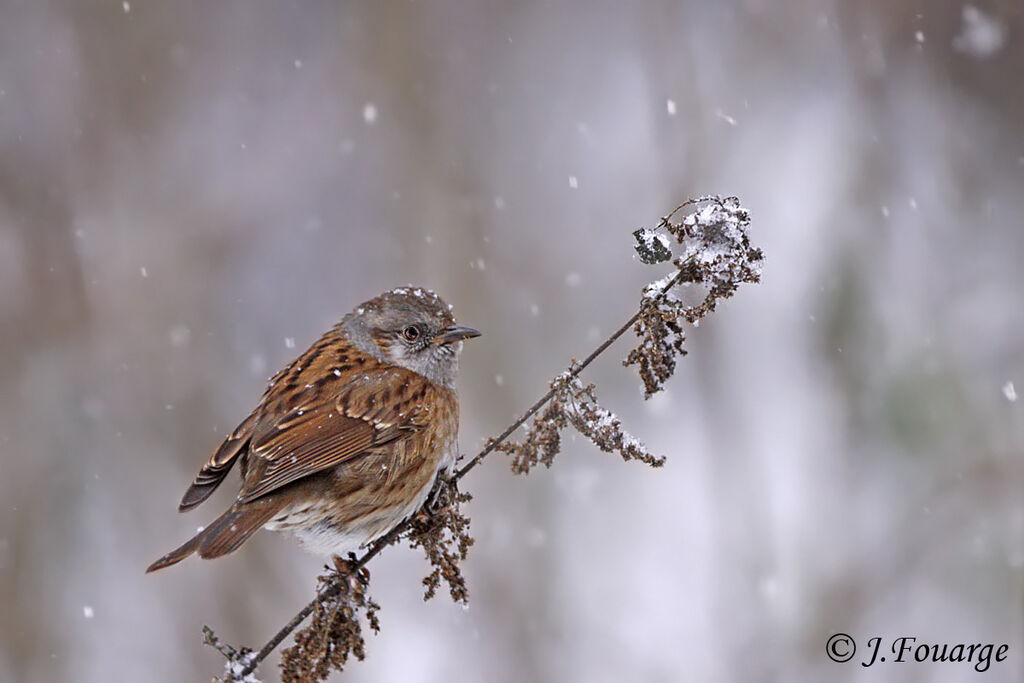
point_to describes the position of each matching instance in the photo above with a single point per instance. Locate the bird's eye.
(411, 333)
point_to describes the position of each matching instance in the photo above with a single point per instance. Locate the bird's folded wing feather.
(216, 468)
(354, 418)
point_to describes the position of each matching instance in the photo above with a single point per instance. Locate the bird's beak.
(454, 333)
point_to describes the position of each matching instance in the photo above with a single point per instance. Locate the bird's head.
(411, 327)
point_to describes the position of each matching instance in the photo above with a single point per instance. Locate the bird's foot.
(444, 491)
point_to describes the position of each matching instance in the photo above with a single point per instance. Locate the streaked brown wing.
(217, 467)
(364, 415)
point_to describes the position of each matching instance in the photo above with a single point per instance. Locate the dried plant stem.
(304, 613)
(575, 371)
(392, 536)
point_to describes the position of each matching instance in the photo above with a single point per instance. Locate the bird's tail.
(225, 534)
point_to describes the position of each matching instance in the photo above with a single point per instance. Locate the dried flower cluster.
(336, 631)
(716, 253)
(574, 403)
(442, 531)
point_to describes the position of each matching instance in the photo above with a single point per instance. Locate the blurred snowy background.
(191, 192)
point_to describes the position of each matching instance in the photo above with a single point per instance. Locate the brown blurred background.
(190, 190)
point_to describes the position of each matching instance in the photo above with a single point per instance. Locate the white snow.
(725, 117)
(370, 113)
(670, 106)
(721, 237)
(655, 288)
(143, 271)
(1010, 392)
(88, 612)
(126, 6)
(289, 342)
(235, 669)
(574, 182)
(180, 336)
(601, 422)
(981, 35)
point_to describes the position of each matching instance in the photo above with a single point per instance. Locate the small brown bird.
(347, 440)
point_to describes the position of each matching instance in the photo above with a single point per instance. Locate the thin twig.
(576, 370)
(393, 535)
(272, 644)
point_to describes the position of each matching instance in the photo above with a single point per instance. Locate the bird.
(348, 439)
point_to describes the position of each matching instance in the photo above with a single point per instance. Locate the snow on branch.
(574, 404)
(716, 253)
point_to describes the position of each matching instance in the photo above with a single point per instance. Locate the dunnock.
(347, 440)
